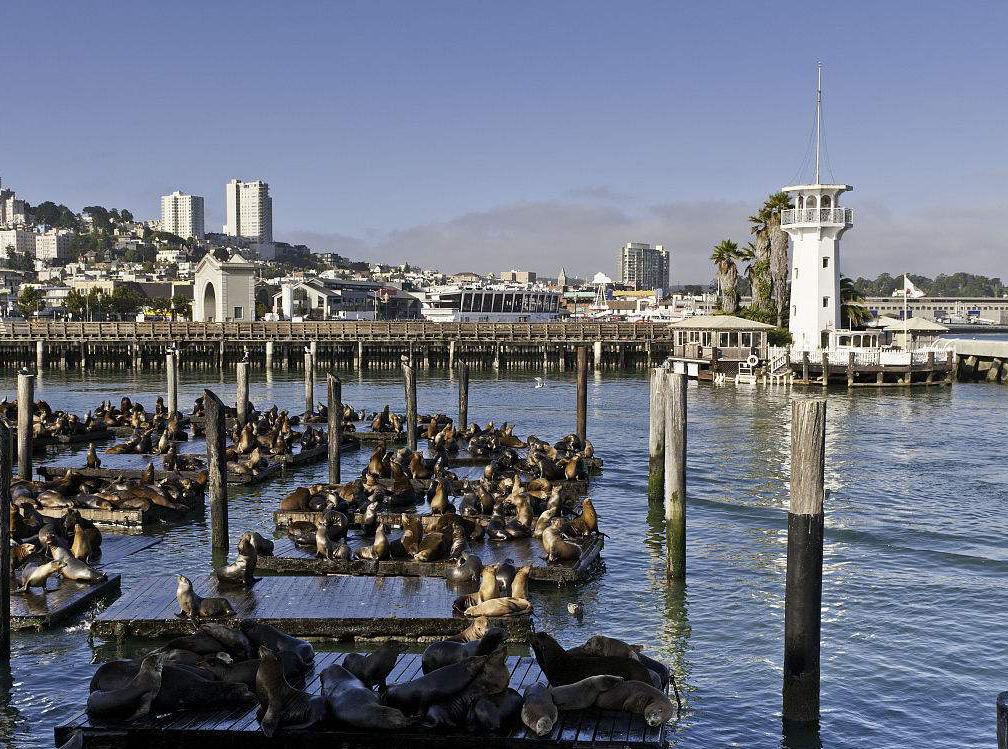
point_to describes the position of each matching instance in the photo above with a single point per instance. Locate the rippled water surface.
(914, 594)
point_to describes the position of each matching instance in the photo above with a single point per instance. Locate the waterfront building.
(524, 277)
(948, 310)
(224, 290)
(815, 222)
(17, 240)
(498, 303)
(326, 299)
(644, 266)
(54, 245)
(182, 215)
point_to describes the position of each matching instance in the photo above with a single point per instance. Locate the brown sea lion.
(560, 667)
(495, 713)
(559, 549)
(474, 631)
(32, 576)
(432, 548)
(538, 713)
(489, 587)
(194, 607)
(280, 704)
(446, 652)
(135, 698)
(75, 569)
(587, 522)
(93, 461)
(379, 549)
(582, 694)
(350, 702)
(640, 699)
(439, 685)
(373, 668)
(519, 585)
(500, 607)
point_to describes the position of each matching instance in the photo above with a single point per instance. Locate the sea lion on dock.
(263, 546)
(467, 569)
(500, 607)
(373, 668)
(560, 667)
(602, 645)
(379, 550)
(504, 572)
(36, 576)
(431, 548)
(559, 549)
(519, 584)
(489, 586)
(75, 569)
(640, 699)
(296, 500)
(475, 631)
(582, 694)
(446, 652)
(538, 713)
(135, 698)
(260, 633)
(194, 607)
(280, 704)
(351, 702)
(494, 713)
(93, 461)
(437, 686)
(587, 522)
(302, 533)
(242, 571)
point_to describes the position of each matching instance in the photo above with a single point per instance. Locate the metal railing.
(830, 216)
(873, 357)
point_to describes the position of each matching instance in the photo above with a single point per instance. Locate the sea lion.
(519, 584)
(241, 571)
(75, 569)
(379, 549)
(349, 701)
(280, 704)
(467, 569)
(582, 694)
(505, 573)
(538, 713)
(474, 631)
(500, 607)
(431, 548)
(134, 699)
(33, 576)
(602, 645)
(489, 586)
(560, 667)
(494, 713)
(297, 500)
(263, 546)
(446, 652)
(373, 668)
(439, 685)
(93, 461)
(559, 549)
(587, 522)
(261, 633)
(640, 699)
(194, 607)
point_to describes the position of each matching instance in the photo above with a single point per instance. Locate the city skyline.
(518, 143)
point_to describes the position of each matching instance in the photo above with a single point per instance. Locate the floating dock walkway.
(238, 727)
(340, 606)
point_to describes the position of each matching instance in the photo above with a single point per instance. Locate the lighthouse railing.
(833, 216)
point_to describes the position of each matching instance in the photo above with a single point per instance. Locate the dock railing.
(868, 358)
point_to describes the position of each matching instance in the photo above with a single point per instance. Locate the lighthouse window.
(796, 272)
(825, 262)
(825, 302)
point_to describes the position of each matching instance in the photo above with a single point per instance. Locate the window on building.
(723, 340)
(794, 310)
(825, 262)
(745, 339)
(825, 302)
(238, 313)
(796, 272)
(707, 337)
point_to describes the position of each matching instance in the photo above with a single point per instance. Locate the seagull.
(245, 354)
(540, 382)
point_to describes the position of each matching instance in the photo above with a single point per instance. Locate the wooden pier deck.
(290, 559)
(238, 727)
(340, 606)
(373, 438)
(39, 612)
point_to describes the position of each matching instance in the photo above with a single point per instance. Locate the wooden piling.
(825, 369)
(597, 354)
(335, 406)
(675, 474)
(805, 367)
(309, 384)
(803, 591)
(409, 384)
(269, 355)
(242, 393)
(171, 370)
(39, 356)
(26, 409)
(463, 396)
(217, 464)
(582, 392)
(850, 369)
(656, 437)
(5, 534)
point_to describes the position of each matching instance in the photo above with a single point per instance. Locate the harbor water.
(914, 648)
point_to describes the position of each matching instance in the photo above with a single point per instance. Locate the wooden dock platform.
(238, 727)
(289, 559)
(40, 612)
(340, 606)
(55, 472)
(373, 438)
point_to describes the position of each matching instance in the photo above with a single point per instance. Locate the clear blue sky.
(491, 134)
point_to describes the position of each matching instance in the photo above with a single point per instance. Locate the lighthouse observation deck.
(836, 216)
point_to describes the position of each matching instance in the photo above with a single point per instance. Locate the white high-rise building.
(249, 210)
(182, 215)
(815, 222)
(644, 266)
(54, 245)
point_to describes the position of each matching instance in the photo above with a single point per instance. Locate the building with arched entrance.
(224, 290)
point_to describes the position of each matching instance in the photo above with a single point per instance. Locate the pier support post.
(360, 354)
(451, 355)
(242, 393)
(597, 354)
(825, 369)
(409, 384)
(850, 369)
(313, 350)
(656, 436)
(220, 356)
(463, 396)
(309, 384)
(562, 359)
(496, 358)
(948, 370)
(803, 591)
(805, 367)
(675, 474)
(39, 356)
(171, 370)
(269, 355)
(83, 356)
(335, 406)
(25, 412)
(582, 392)
(5, 532)
(930, 367)
(216, 431)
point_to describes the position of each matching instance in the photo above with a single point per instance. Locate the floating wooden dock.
(37, 611)
(95, 435)
(339, 606)
(57, 472)
(237, 727)
(290, 559)
(373, 438)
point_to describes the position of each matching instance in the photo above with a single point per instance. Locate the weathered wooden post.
(656, 436)
(463, 399)
(242, 393)
(803, 591)
(25, 413)
(850, 369)
(582, 392)
(335, 405)
(171, 370)
(597, 354)
(930, 367)
(5, 531)
(825, 369)
(409, 384)
(39, 356)
(269, 355)
(309, 384)
(805, 367)
(948, 371)
(217, 463)
(675, 474)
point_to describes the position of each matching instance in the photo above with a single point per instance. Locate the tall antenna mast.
(818, 117)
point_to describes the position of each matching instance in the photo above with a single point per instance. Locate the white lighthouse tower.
(815, 223)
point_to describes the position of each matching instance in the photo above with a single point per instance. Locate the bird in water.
(540, 382)
(576, 610)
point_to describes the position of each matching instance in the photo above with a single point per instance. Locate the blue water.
(913, 647)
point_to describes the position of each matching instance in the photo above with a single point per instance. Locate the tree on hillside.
(725, 257)
(50, 214)
(21, 261)
(29, 302)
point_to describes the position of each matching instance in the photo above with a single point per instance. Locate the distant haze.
(489, 135)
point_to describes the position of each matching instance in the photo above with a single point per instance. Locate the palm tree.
(776, 203)
(853, 310)
(725, 255)
(759, 275)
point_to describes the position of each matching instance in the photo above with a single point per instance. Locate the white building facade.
(18, 240)
(54, 245)
(224, 290)
(182, 215)
(644, 266)
(249, 210)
